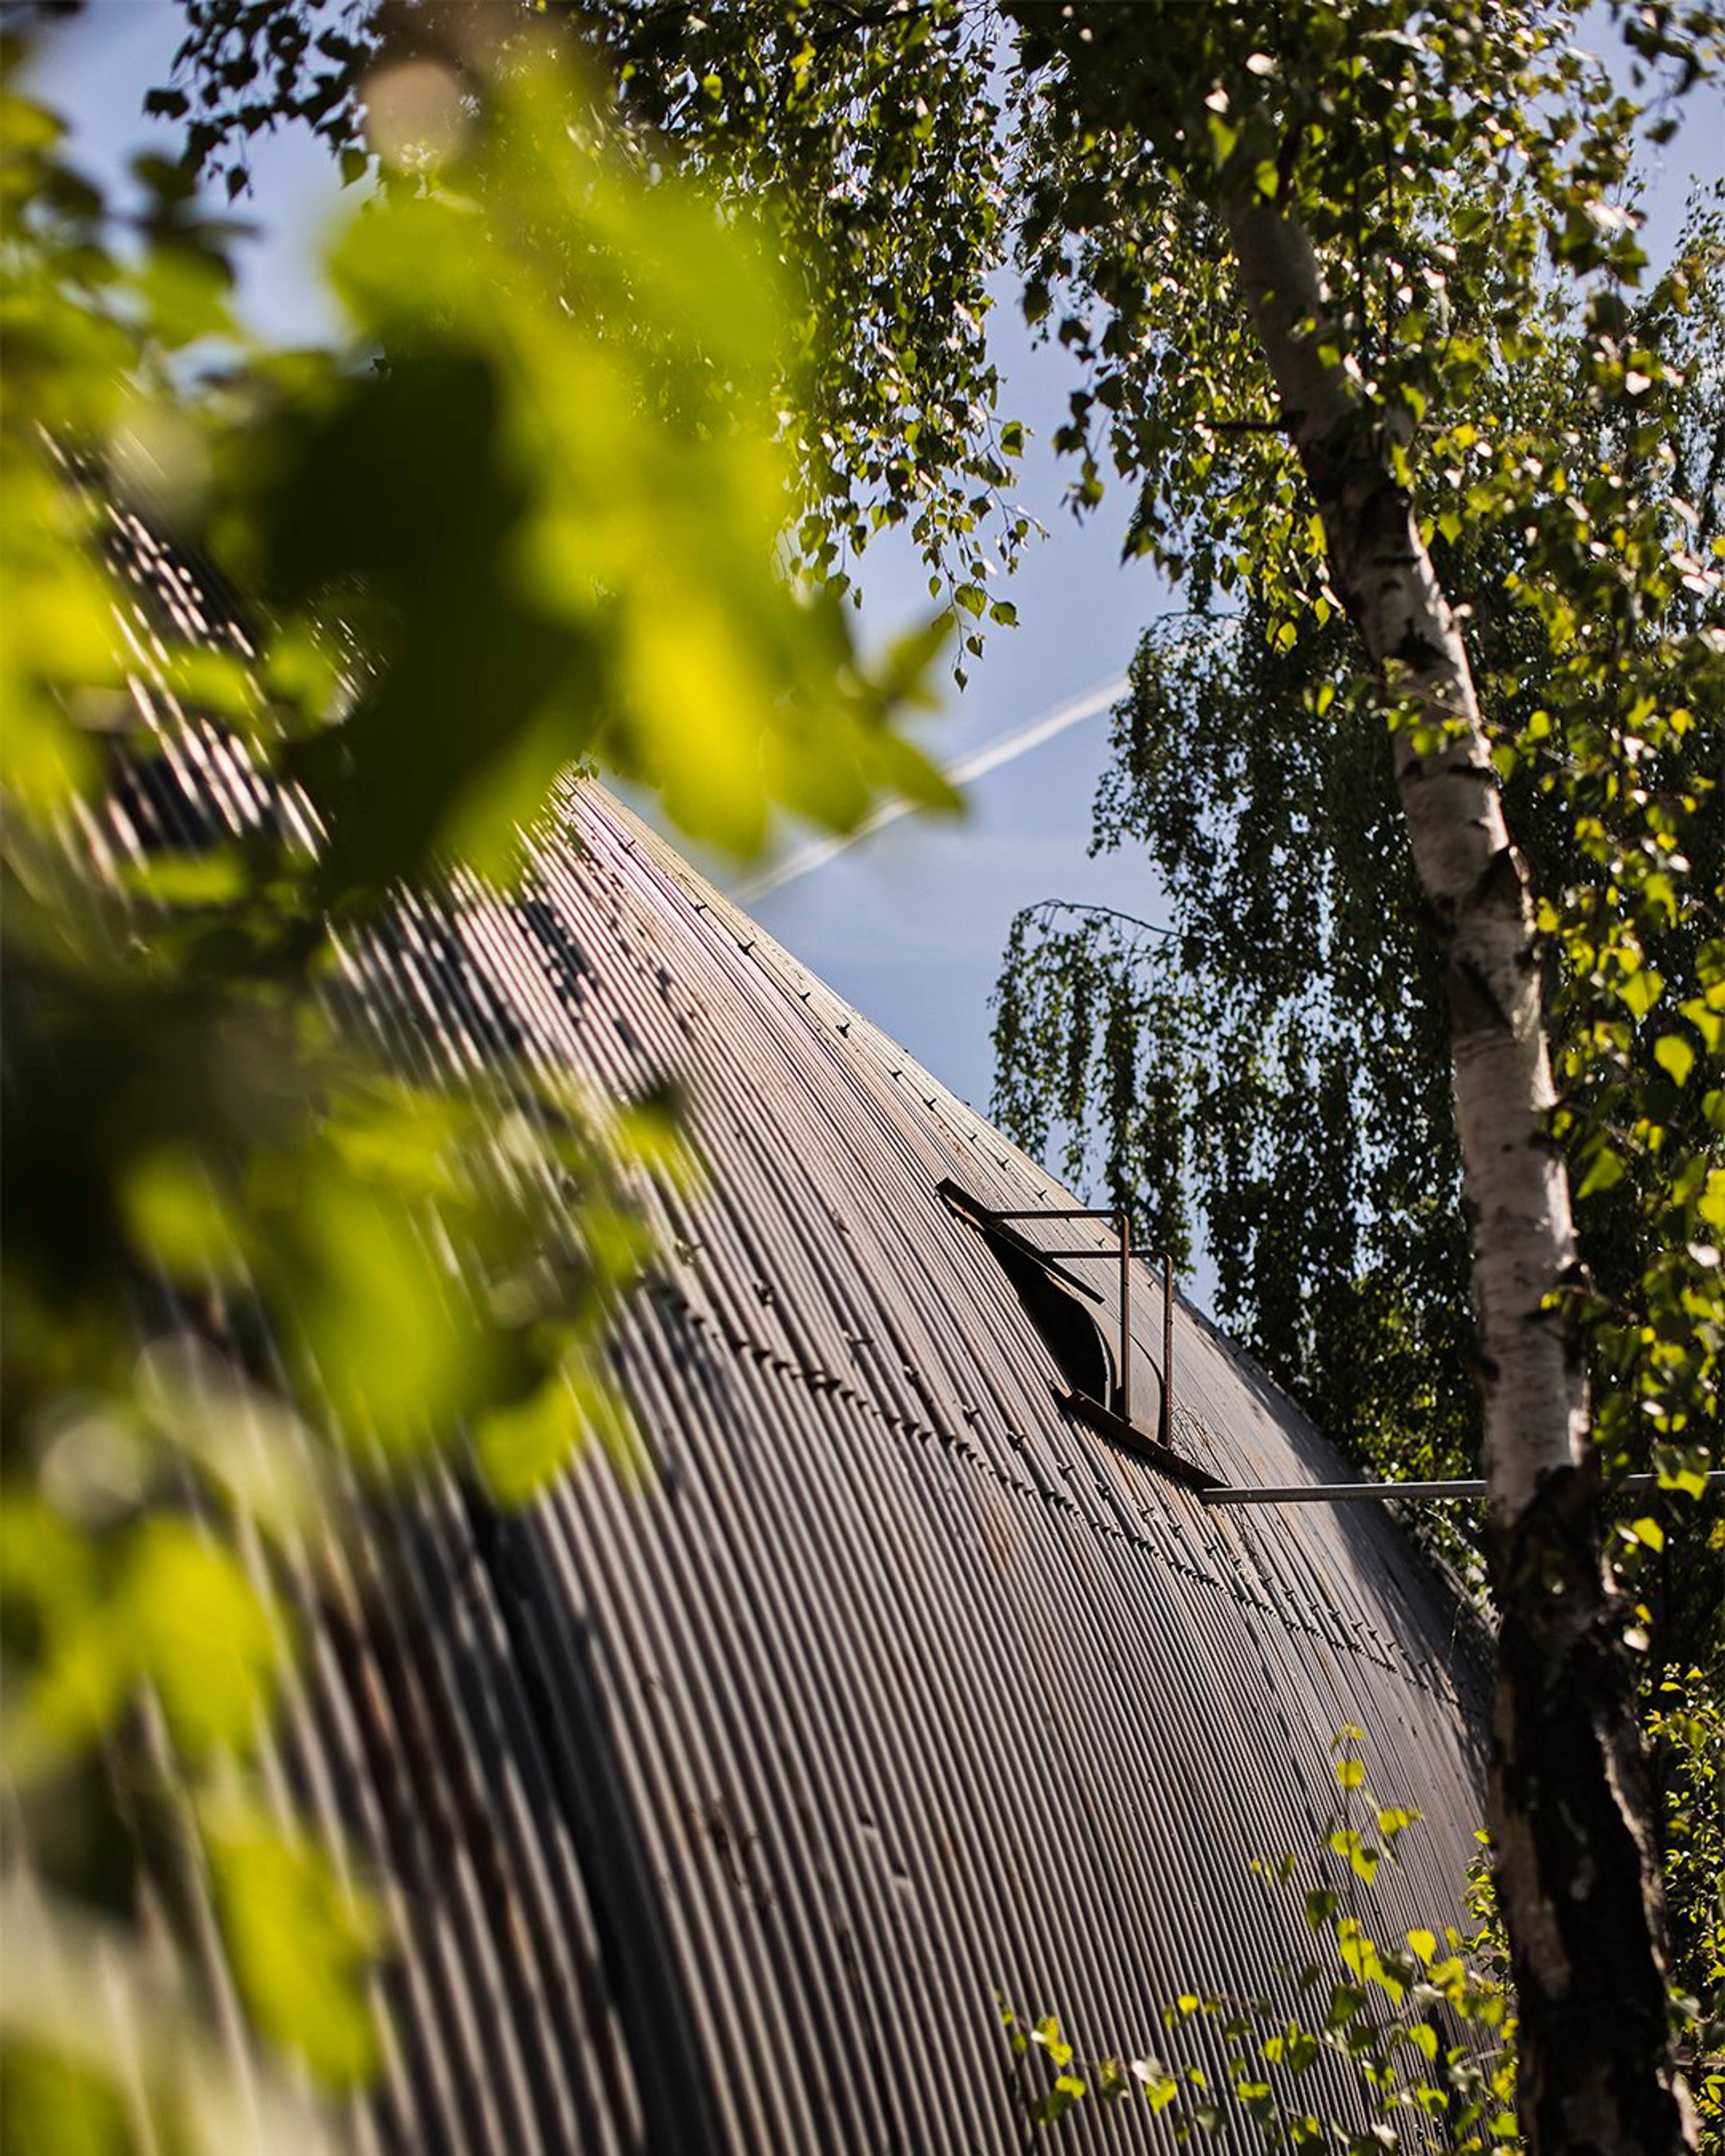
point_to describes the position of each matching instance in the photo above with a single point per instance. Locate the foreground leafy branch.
(260, 1263)
(1366, 2047)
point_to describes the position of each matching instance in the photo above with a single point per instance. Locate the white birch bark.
(1577, 1865)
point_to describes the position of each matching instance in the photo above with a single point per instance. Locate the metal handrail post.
(1126, 1316)
(1168, 1349)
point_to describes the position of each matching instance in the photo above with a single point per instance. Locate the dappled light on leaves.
(831, 140)
(258, 1265)
(1419, 2030)
(561, 498)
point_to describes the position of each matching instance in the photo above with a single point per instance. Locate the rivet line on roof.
(1230, 1583)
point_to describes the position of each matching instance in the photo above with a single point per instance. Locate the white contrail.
(1005, 750)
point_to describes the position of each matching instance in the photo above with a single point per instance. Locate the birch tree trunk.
(1577, 1863)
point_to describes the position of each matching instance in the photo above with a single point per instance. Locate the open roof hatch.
(1098, 1377)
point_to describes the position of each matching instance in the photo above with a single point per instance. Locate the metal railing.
(1121, 1222)
(1117, 1421)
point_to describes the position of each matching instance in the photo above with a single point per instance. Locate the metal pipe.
(1057, 1213)
(1345, 1493)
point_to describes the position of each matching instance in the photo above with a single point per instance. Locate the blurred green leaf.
(300, 1941)
(186, 1615)
(179, 1220)
(520, 1445)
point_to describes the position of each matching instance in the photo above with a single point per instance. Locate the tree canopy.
(839, 128)
(1276, 1065)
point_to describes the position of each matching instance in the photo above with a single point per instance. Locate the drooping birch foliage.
(1258, 184)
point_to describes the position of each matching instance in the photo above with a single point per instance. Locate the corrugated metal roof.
(714, 1814)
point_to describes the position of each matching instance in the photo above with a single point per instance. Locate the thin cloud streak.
(1006, 750)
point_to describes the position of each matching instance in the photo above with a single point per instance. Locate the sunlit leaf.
(201, 1633)
(300, 1943)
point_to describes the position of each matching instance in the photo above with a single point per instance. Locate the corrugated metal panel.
(713, 1815)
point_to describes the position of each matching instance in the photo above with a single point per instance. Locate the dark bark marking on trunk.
(1417, 651)
(1570, 1786)
(1474, 1004)
(1503, 881)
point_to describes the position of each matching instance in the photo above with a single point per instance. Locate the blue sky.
(909, 925)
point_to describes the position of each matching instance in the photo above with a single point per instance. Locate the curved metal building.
(718, 1814)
